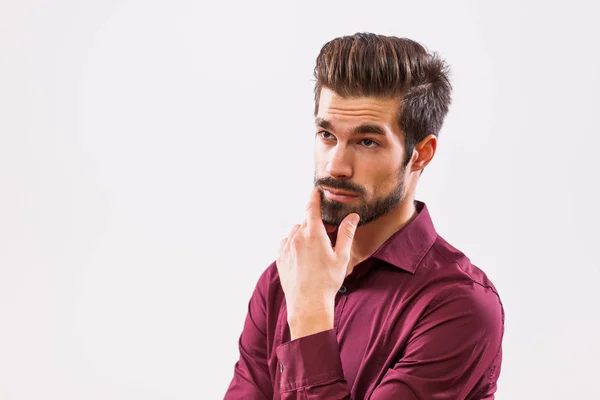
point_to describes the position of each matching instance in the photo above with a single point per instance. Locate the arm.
(453, 353)
(251, 378)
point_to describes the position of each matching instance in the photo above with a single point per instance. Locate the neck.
(371, 236)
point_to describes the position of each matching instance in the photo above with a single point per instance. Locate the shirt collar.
(406, 247)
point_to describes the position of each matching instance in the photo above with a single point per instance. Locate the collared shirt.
(416, 320)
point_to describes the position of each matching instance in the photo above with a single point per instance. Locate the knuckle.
(294, 241)
(349, 233)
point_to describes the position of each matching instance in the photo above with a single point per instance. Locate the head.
(380, 102)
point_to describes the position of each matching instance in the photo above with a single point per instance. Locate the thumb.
(345, 235)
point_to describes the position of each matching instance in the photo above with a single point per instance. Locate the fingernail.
(354, 219)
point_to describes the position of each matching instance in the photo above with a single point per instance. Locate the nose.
(339, 164)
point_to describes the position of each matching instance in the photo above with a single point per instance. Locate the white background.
(154, 153)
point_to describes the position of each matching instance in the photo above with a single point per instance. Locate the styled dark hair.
(370, 65)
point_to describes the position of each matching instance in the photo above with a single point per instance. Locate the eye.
(323, 133)
(369, 143)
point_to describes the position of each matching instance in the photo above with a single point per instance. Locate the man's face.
(358, 149)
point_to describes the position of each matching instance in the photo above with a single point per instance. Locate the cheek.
(320, 158)
(384, 182)
(319, 163)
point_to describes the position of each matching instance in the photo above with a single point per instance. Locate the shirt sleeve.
(454, 348)
(251, 378)
(311, 366)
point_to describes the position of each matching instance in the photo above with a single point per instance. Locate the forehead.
(357, 110)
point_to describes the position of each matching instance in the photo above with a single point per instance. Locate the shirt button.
(343, 289)
(280, 367)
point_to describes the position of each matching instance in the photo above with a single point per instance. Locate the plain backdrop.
(154, 153)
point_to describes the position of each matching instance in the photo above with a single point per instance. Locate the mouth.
(336, 195)
(339, 192)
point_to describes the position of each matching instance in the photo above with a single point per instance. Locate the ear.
(424, 152)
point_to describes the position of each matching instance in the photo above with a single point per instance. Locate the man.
(365, 299)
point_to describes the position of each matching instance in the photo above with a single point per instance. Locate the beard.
(334, 212)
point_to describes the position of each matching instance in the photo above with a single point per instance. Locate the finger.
(313, 211)
(282, 245)
(293, 231)
(345, 235)
(304, 225)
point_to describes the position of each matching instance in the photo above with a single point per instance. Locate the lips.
(340, 192)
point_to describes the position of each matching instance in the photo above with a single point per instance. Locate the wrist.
(305, 324)
(309, 310)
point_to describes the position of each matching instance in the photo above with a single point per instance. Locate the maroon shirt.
(416, 320)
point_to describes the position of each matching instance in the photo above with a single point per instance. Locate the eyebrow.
(361, 129)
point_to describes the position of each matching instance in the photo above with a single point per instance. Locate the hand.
(311, 271)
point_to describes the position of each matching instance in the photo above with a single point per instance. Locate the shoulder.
(447, 262)
(472, 302)
(461, 285)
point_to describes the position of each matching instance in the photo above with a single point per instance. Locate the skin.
(370, 166)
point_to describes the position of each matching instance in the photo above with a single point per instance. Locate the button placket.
(341, 299)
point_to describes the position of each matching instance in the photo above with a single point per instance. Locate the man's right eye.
(323, 133)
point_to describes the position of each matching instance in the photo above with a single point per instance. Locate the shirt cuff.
(309, 361)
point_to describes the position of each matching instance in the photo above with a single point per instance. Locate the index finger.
(313, 210)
